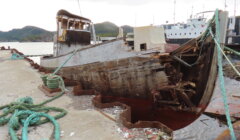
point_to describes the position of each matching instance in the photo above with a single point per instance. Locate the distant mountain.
(108, 29)
(127, 29)
(36, 34)
(27, 34)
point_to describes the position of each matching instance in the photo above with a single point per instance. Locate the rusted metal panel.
(66, 13)
(80, 37)
(131, 77)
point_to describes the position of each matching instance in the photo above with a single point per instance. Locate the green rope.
(19, 112)
(58, 68)
(234, 68)
(38, 115)
(220, 73)
(16, 56)
(229, 49)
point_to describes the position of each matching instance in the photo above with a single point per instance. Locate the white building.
(149, 37)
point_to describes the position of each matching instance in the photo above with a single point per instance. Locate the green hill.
(27, 34)
(108, 29)
(127, 29)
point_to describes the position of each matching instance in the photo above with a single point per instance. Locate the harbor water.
(204, 128)
(31, 48)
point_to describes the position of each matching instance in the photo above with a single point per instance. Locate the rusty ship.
(163, 90)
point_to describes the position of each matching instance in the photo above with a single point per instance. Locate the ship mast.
(225, 5)
(174, 12)
(80, 11)
(234, 8)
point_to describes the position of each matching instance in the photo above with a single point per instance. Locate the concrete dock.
(18, 80)
(83, 121)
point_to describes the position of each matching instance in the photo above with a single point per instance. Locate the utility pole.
(153, 20)
(135, 19)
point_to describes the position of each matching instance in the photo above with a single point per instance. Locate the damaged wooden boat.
(164, 90)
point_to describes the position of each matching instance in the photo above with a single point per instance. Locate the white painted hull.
(107, 51)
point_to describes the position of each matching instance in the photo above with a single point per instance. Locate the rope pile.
(24, 113)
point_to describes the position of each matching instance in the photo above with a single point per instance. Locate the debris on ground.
(229, 72)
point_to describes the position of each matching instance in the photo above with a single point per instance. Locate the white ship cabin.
(130, 39)
(192, 29)
(233, 32)
(149, 38)
(73, 32)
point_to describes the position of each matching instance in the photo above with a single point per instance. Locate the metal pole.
(79, 8)
(234, 8)
(174, 12)
(225, 5)
(94, 34)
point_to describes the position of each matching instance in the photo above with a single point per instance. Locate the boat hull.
(170, 89)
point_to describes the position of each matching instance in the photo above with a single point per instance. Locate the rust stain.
(225, 135)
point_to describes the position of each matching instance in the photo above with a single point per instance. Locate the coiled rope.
(17, 114)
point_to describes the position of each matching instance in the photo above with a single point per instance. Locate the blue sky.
(42, 13)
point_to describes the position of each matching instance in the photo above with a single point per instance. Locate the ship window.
(64, 24)
(171, 33)
(190, 33)
(175, 33)
(180, 34)
(195, 33)
(185, 33)
(143, 47)
(200, 32)
(86, 27)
